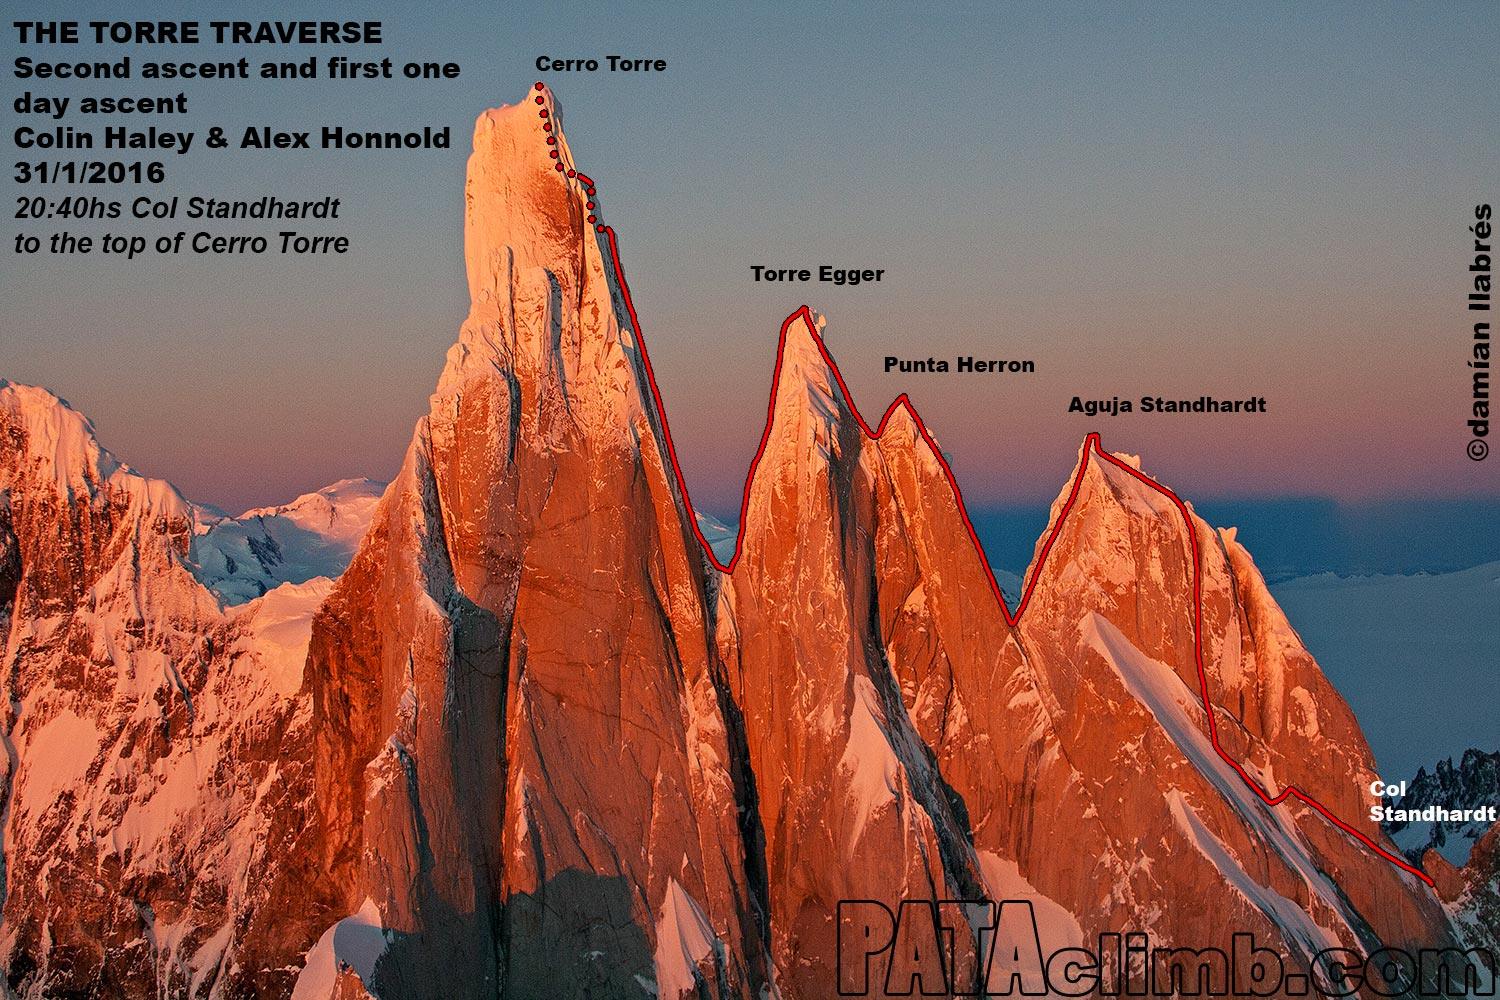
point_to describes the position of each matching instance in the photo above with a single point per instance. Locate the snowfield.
(1404, 651)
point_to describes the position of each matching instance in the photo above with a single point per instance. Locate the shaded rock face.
(533, 743)
(851, 803)
(521, 741)
(1472, 783)
(1473, 891)
(1111, 632)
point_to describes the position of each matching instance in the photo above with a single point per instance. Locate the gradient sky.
(1236, 200)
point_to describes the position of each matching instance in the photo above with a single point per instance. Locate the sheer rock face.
(984, 705)
(1072, 728)
(850, 802)
(533, 744)
(1111, 623)
(1092, 703)
(520, 734)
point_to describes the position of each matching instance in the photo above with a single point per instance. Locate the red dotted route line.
(903, 401)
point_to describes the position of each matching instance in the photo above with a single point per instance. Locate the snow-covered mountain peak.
(1128, 491)
(59, 438)
(57, 445)
(315, 535)
(330, 502)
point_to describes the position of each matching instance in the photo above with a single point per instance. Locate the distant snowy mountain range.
(241, 558)
(532, 742)
(316, 535)
(1472, 783)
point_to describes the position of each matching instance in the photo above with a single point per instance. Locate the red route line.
(1290, 791)
(1091, 443)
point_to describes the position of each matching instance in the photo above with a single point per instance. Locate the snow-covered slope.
(240, 558)
(530, 743)
(156, 745)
